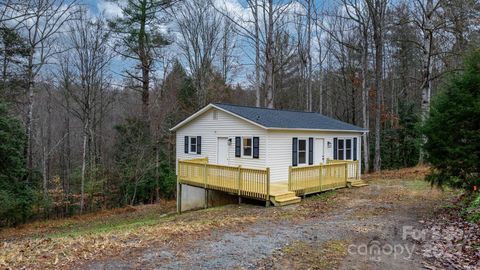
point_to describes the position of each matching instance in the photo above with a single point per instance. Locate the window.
(345, 149)
(341, 149)
(348, 149)
(193, 145)
(302, 151)
(215, 115)
(247, 147)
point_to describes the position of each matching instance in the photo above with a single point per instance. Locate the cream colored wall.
(275, 147)
(279, 147)
(228, 126)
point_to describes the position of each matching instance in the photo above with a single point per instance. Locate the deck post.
(358, 170)
(205, 175)
(239, 184)
(206, 199)
(320, 170)
(179, 197)
(289, 178)
(346, 173)
(267, 204)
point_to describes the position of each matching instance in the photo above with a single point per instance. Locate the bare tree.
(45, 19)
(376, 10)
(426, 23)
(303, 27)
(89, 59)
(357, 12)
(200, 29)
(227, 51)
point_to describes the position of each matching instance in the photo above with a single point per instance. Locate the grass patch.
(417, 185)
(302, 255)
(100, 222)
(107, 226)
(324, 196)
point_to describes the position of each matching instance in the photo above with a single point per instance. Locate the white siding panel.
(280, 149)
(275, 146)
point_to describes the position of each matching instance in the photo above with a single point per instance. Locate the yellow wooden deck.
(255, 183)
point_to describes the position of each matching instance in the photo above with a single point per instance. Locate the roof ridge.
(264, 108)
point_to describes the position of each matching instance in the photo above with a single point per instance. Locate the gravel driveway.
(358, 228)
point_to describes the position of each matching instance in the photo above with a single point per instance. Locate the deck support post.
(205, 175)
(239, 184)
(206, 199)
(267, 204)
(320, 172)
(289, 178)
(346, 173)
(179, 197)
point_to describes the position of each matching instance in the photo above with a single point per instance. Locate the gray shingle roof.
(271, 118)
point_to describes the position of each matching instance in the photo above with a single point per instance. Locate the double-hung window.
(341, 149)
(348, 149)
(344, 149)
(247, 146)
(302, 151)
(193, 145)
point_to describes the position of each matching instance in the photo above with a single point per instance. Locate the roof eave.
(191, 117)
(318, 129)
(211, 105)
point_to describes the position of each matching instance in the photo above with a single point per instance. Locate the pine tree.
(453, 129)
(15, 195)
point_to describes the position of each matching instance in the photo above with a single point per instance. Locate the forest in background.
(87, 98)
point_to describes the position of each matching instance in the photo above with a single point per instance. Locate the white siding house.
(260, 138)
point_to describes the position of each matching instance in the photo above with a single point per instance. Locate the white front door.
(222, 151)
(318, 154)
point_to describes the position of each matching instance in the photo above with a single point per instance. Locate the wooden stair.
(357, 183)
(284, 198)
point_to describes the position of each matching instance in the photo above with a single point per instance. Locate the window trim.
(190, 144)
(306, 151)
(242, 149)
(344, 139)
(349, 149)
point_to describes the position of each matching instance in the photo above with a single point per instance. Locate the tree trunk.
(84, 165)
(29, 121)
(145, 63)
(365, 116)
(378, 107)
(269, 103)
(377, 12)
(309, 56)
(426, 87)
(257, 57)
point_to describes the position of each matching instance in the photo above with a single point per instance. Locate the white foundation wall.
(279, 147)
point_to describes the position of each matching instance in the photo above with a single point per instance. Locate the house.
(266, 154)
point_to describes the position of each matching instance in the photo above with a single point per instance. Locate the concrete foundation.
(194, 198)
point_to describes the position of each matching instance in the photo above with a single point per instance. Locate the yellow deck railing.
(316, 178)
(246, 182)
(352, 167)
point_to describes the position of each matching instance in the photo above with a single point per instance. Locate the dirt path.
(359, 228)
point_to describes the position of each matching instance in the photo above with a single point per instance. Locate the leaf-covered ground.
(315, 234)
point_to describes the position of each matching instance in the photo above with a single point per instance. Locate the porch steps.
(285, 198)
(357, 183)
